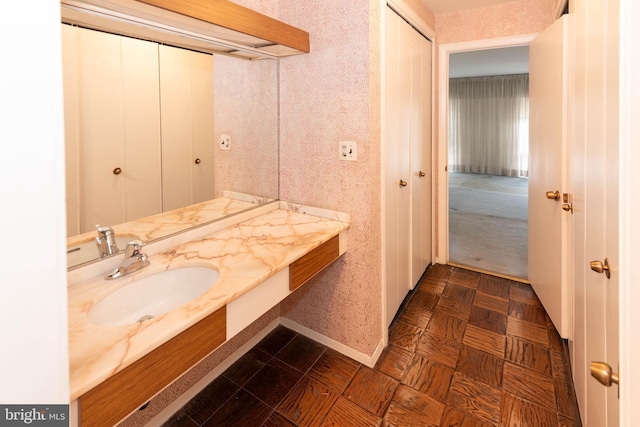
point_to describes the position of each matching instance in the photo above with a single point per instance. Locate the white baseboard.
(188, 395)
(365, 359)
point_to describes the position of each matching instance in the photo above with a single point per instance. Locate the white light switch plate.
(225, 142)
(348, 150)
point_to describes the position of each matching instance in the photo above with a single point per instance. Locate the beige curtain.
(489, 125)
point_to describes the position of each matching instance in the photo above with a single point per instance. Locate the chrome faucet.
(106, 241)
(134, 260)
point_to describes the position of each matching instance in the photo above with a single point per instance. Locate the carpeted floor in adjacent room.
(488, 223)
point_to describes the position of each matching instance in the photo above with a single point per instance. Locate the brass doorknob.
(600, 268)
(117, 171)
(553, 195)
(403, 183)
(604, 374)
(422, 174)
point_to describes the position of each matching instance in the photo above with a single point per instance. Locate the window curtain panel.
(489, 125)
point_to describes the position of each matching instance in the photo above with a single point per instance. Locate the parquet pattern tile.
(447, 326)
(394, 361)
(485, 340)
(528, 331)
(530, 385)
(481, 366)
(495, 286)
(429, 377)
(405, 335)
(466, 278)
(528, 354)
(412, 408)
(476, 398)
(488, 319)
(432, 286)
(466, 350)
(454, 308)
(492, 302)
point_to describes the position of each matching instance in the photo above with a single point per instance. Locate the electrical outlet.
(348, 150)
(225, 142)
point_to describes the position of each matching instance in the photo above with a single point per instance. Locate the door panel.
(101, 127)
(186, 91)
(548, 245)
(420, 156)
(202, 126)
(175, 102)
(141, 133)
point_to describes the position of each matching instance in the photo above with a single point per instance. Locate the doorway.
(488, 151)
(483, 214)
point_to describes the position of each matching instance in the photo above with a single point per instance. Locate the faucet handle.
(104, 231)
(134, 249)
(134, 260)
(106, 241)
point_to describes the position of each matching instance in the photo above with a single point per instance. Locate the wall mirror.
(160, 138)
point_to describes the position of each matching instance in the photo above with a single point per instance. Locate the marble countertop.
(164, 224)
(245, 255)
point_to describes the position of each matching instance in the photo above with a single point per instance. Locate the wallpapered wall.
(502, 20)
(329, 95)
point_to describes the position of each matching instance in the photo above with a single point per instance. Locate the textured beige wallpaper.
(334, 94)
(502, 20)
(328, 96)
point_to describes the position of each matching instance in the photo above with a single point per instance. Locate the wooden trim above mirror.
(210, 26)
(230, 15)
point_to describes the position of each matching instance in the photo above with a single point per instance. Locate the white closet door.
(100, 129)
(202, 126)
(406, 152)
(71, 136)
(420, 156)
(141, 132)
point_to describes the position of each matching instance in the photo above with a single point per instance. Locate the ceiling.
(489, 62)
(439, 7)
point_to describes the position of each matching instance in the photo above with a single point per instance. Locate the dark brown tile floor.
(466, 350)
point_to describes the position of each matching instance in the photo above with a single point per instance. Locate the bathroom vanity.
(261, 256)
(213, 267)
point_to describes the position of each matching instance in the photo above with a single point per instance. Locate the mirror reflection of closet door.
(186, 88)
(112, 129)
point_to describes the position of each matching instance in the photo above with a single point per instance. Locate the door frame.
(441, 251)
(629, 226)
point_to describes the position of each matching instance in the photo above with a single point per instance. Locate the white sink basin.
(152, 296)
